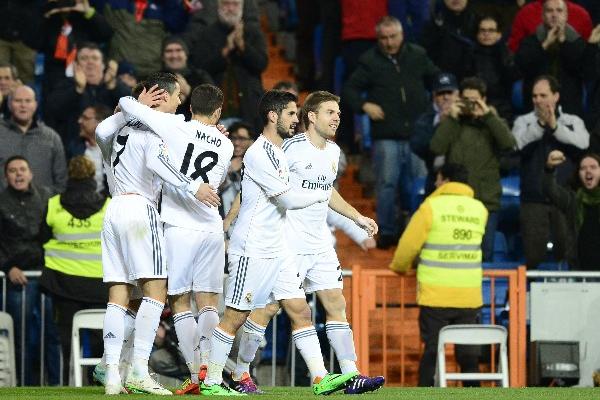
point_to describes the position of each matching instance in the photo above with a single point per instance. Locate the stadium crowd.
(509, 89)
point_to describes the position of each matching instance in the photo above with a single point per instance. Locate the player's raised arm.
(157, 160)
(106, 131)
(161, 123)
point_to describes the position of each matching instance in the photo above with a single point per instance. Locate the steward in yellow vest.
(73, 256)
(446, 234)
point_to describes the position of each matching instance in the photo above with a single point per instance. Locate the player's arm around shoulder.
(413, 239)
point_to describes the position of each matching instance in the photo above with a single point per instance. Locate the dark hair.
(137, 89)
(285, 86)
(576, 183)
(13, 158)
(276, 101)
(474, 83)
(454, 173)
(206, 99)
(174, 39)
(13, 70)
(491, 16)
(552, 82)
(91, 46)
(164, 80)
(314, 100)
(102, 112)
(236, 126)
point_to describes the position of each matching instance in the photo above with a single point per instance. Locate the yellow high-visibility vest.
(449, 272)
(75, 247)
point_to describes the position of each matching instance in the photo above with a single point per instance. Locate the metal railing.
(23, 328)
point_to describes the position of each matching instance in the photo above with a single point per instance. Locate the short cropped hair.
(474, 83)
(387, 20)
(236, 126)
(454, 173)
(313, 101)
(14, 158)
(276, 101)
(206, 99)
(164, 80)
(552, 82)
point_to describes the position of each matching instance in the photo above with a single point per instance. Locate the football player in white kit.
(195, 245)
(258, 264)
(313, 159)
(132, 241)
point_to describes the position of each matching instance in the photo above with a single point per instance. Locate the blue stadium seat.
(517, 97)
(417, 193)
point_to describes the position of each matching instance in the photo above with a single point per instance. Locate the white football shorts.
(319, 271)
(132, 241)
(255, 282)
(196, 260)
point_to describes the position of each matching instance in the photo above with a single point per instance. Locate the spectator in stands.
(64, 29)
(581, 208)
(20, 35)
(445, 94)
(23, 134)
(545, 129)
(558, 50)
(90, 85)
(412, 14)
(475, 137)
(242, 136)
(449, 36)
(88, 121)
(22, 206)
(529, 17)
(593, 115)
(126, 74)
(9, 80)
(208, 14)
(431, 237)
(234, 54)
(73, 273)
(287, 86)
(394, 75)
(175, 59)
(140, 28)
(492, 61)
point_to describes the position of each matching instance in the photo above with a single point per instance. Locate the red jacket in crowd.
(359, 18)
(530, 16)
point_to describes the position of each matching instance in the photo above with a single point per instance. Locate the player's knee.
(336, 308)
(298, 311)
(271, 310)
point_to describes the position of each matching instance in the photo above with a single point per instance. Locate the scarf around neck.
(585, 198)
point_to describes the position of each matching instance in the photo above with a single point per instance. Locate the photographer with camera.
(475, 137)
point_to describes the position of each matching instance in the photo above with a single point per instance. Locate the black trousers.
(64, 309)
(431, 321)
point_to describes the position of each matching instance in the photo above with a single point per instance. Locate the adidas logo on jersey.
(109, 335)
(309, 166)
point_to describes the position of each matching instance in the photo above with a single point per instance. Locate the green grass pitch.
(47, 393)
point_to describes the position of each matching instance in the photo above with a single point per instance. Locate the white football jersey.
(200, 152)
(311, 169)
(105, 134)
(258, 231)
(139, 163)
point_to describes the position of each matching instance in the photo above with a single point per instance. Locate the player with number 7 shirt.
(203, 154)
